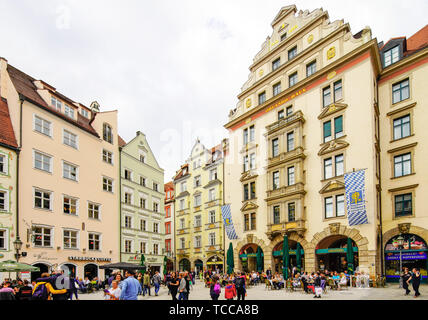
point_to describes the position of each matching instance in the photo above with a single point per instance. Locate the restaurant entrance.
(295, 261)
(248, 257)
(332, 254)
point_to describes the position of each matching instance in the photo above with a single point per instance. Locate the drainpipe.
(21, 99)
(120, 204)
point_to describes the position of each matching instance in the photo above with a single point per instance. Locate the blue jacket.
(131, 288)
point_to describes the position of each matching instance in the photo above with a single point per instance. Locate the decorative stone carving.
(250, 238)
(332, 186)
(333, 146)
(334, 227)
(404, 227)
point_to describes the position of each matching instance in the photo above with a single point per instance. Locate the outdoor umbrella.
(142, 263)
(350, 256)
(259, 260)
(299, 257)
(13, 266)
(165, 260)
(121, 266)
(285, 257)
(230, 262)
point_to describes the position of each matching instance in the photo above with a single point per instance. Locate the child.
(229, 291)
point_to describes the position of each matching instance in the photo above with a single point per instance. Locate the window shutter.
(338, 125)
(327, 129)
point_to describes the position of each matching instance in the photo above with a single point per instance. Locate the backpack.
(217, 289)
(41, 292)
(239, 283)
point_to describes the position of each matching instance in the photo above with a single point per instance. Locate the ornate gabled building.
(296, 130)
(198, 185)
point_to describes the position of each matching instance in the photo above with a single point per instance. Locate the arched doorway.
(215, 263)
(184, 265)
(43, 269)
(69, 269)
(248, 257)
(331, 254)
(90, 271)
(277, 255)
(199, 266)
(405, 250)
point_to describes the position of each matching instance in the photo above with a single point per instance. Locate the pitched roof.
(7, 135)
(418, 40)
(24, 85)
(169, 186)
(121, 141)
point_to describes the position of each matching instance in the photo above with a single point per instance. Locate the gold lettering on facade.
(331, 53)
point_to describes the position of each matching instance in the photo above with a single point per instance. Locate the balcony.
(286, 191)
(285, 122)
(279, 229)
(286, 157)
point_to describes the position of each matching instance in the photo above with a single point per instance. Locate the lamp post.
(400, 243)
(17, 244)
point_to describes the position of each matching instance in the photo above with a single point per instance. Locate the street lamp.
(17, 244)
(400, 243)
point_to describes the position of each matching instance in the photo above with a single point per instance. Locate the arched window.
(107, 133)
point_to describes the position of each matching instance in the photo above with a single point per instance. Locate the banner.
(355, 198)
(228, 224)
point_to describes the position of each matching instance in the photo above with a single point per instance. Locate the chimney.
(3, 78)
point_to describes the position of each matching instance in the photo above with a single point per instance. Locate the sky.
(173, 68)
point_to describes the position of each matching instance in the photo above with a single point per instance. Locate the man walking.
(240, 286)
(130, 287)
(146, 284)
(416, 281)
(182, 287)
(156, 282)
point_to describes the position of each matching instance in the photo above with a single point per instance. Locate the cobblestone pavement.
(199, 292)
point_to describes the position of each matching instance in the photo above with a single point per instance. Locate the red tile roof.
(169, 186)
(418, 40)
(121, 141)
(7, 135)
(24, 85)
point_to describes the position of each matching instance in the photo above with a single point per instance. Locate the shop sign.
(89, 259)
(406, 256)
(334, 250)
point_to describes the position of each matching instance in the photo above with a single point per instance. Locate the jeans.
(182, 296)
(73, 292)
(145, 289)
(241, 294)
(157, 287)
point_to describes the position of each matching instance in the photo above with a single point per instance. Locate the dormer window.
(107, 133)
(56, 104)
(391, 56)
(84, 113)
(69, 112)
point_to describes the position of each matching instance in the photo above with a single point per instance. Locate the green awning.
(13, 266)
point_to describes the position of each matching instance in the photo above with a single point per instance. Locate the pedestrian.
(73, 288)
(416, 281)
(130, 287)
(157, 282)
(60, 284)
(317, 286)
(146, 284)
(43, 289)
(405, 278)
(173, 286)
(229, 291)
(240, 286)
(114, 292)
(25, 292)
(215, 288)
(182, 287)
(188, 284)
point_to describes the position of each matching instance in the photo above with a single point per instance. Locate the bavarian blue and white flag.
(356, 198)
(228, 224)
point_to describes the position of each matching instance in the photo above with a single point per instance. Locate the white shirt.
(115, 292)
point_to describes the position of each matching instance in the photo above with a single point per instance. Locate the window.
(252, 134)
(326, 95)
(252, 190)
(212, 239)
(211, 217)
(262, 98)
(108, 184)
(3, 163)
(329, 210)
(69, 171)
(84, 113)
(197, 199)
(182, 243)
(69, 112)
(291, 212)
(128, 222)
(403, 205)
(253, 221)
(182, 204)
(275, 180)
(311, 68)
(283, 37)
(93, 211)
(391, 56)
(291, 176)
(155, 207)
(70, 206)
(142, 181)
(211, 195)
(128, 246)
(128, 174)
(197, 181)
(107, 133)
(328, 168)
(400, 91)
(290, 141)
(249, 221)
(143, 225)
(276, 64)
(183, 186)
(198, 221)
(42, 237)
(142, 158)
(246, 192)
(128, 198)
(142, 203)
(43, 126)
(70, 239)
(292, 79)
(334, 206)
(155, 186)
(42, 199)
(277, 89)
(143, 246)
(168, 212)
(275, 148)
(3, 240)
(42, 162)
(340, 206)
(338, 127)
(4, 201)
(168, 228)
(108, 157)
(276, 215)
(56, 104)
(339, 166)
(213, 174)
(70, 139)
(337, 90)
(198, 242)
(292, 53)
(246, 163)
(168, 245)
(402, 127)
(289, 111)
(402, 165)
(246, 222)
(94, 241)
(280, 115)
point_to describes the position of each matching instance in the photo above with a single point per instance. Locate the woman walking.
(215, 289)
(416, 281)
(405, 278)
(173, 286)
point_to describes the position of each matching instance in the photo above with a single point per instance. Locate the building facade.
(68, 177)
(295, 132)
(169, 225)
(404, 150)
(142, 204)
(199, 239)
(8, 178)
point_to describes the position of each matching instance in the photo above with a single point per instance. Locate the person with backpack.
(229, 291)
(146, 284)
(43, 290)
(215, 288)
(240, 286)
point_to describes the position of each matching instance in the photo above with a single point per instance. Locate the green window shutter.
(327, 129)
(338, 125)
